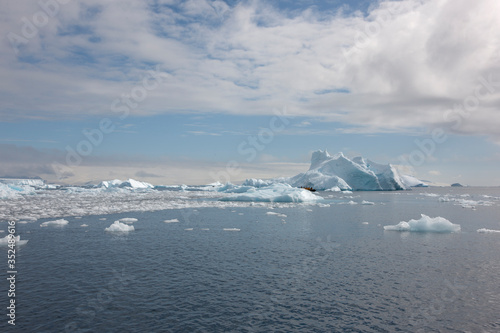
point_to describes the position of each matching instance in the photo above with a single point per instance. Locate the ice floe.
(119, 228)
(128, 220)
(425, 224)
(55, 223)
(487, 231)
(172, 221)
(231, 229)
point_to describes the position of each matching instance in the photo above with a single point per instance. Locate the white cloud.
(402, 66)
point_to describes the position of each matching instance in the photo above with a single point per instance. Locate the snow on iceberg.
(17, 239)
(55, 223)
(339, 172)
(425, 224)
(273, 193)
(119, 228)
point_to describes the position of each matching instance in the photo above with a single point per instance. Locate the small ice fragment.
(102, 219)
(55, 223)
(171, 221)
(365, 223)
(205, 229)
(231, 229)
(84, 225)
(189, 229)
(364, 202)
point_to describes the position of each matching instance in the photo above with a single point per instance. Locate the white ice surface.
(425, 224)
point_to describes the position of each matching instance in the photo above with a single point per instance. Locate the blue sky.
(190, 86)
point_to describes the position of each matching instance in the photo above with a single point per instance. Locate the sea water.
(327, 266)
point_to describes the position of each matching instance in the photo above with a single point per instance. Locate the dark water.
(319, 270)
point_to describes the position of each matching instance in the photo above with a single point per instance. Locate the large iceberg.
(341, 173)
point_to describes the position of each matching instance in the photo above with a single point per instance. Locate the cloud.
(404, 65)
(144, 174)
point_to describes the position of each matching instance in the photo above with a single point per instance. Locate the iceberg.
(131, 184)
(119, 228)
(273, 193)
(425, 224)
(341, 173)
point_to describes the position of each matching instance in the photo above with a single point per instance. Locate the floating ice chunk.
(172, 221)
(189, 229)
(364, 202)
(84, 225)
(128, 220)
(55, 223)
(17, 239)
(231, 229)
(205, 229)
(487, 231)
(429, 194)
(102, 219)
(274, 193)
(118, 227)
(365, 223)
(277, 214)
(425, 224)
(323, 205)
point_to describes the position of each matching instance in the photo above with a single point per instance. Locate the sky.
(198, 91)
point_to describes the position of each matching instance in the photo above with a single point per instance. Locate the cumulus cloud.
(405, 64)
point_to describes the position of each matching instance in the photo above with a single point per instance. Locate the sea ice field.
(228, 258)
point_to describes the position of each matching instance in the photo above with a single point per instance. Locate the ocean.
(215, 266)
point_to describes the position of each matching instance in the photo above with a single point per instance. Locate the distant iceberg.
(128, 184)
(425, 224)
(335, 173)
